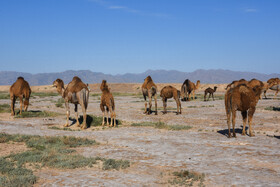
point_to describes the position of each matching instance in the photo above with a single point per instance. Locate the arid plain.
(154, 153)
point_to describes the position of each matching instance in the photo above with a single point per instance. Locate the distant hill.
(159, 76)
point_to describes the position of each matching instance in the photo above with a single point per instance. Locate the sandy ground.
(156, 153)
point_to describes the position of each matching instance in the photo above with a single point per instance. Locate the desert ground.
(155, 153)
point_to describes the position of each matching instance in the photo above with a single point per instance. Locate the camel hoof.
(155, 113)
(229, 135)
(78, 124)
(66, 125)
(243, 134)
(251, 135)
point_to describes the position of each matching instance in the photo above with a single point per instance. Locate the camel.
(236, 83)
(169, 92)
(20, 89)
(273, 84)
(76, 92)
(254, 82)
(107, 100)
(210, 91)
(149, 89)
(244, 99)
(188, 88)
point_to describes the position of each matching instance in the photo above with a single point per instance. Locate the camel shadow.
(92, 121)
(29, 111)
(237, 130)
(81, 119)
(273, 136)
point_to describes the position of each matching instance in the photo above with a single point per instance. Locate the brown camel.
(77, 93)
(254, 82)
(20, 89)
(188, 88)
(273, 84)
(149, 89)
(244, 99)
(210, 91)
(107, 100)
(236, 83)
(169, 92)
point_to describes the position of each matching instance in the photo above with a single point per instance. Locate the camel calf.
(169, 92)
(20, 89)
(149, 89)
(107, 100)
(244, 99)
(209, 91)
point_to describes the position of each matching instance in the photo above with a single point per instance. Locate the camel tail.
(85, 95)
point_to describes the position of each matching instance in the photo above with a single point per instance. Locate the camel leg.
(276, 94)
(209, 96)
(264, 93)
(103, 121)
(164, 101)
(145, 98)
(21, 101)
(13, 100)
(250, 117)
(178, 106)
(112, 116)
(213, 96)
(108, 117)
(84, 125)
(205, 94)
(233, 123)
(150, 104)
(115, 123)
(193, 95)
(77, 115)
(228, 123)
(67, 114)
(244, 116)
(155, 98)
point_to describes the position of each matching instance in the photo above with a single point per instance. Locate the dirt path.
(156, 153)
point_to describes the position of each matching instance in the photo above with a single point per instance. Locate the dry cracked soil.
(155, 153)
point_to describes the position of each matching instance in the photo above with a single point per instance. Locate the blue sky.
(132, 36)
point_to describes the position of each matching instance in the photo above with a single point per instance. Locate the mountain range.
(159, 76)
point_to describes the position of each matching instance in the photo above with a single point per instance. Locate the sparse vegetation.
(161, 125)
(64, 128)
(32, 114)
(53, 152)
(4, 108)
(44, 94)
(272, 108)
(187, 178)
(4, 95)
(60, 103)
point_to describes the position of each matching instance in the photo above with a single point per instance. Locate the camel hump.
(76, 78)
(243, 89)
(76, 85)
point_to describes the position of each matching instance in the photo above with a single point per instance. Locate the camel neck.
(61, 91)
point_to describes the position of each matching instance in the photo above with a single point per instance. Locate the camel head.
(58, 83)
(148, 79)
(215, 88)
(104, 86)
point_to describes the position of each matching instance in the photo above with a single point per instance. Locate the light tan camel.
(188, 88)
(236, 83)
(273, 84)
(244, 99)
(169, 92)
(107, 100)
(77, 93)
(149, 89)
(20, 89)
(209, 91)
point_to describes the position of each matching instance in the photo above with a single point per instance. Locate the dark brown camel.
(149, 89)
(209, 91)
(107, 100)
(169, 92)
(244, 99)
(76, 92)
(188, 88)
(20, 89)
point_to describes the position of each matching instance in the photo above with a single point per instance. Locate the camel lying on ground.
(188, 88)
(20, 89)
(76, 92)
(244, 99)
(273, 84)
(209, 91)
(107, 100)
(169, 92)
(149, 89)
